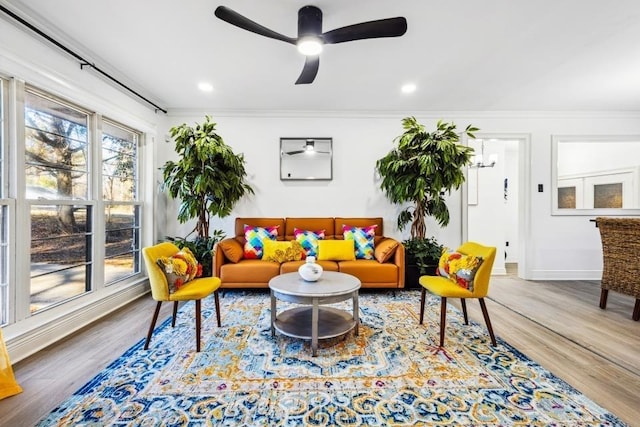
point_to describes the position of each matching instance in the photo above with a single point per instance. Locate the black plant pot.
(412, 275)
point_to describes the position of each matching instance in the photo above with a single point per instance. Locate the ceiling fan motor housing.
(309, 22)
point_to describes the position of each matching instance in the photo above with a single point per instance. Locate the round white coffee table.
(311, 320)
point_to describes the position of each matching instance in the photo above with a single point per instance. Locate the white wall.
(557, 247)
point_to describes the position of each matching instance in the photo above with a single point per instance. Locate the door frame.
(524, 196)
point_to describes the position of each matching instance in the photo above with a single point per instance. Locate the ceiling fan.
(310, 36)
(308, 147)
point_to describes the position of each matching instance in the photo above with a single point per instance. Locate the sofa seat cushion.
(292, 266)
(249, 271)
(370, 270)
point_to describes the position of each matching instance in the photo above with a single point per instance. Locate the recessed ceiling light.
(205, 87)
(408, 88)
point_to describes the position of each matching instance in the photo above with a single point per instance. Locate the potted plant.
(424, 253)
(208, 178)
(418, 172)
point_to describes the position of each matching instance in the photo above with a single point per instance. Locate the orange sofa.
(386, 270)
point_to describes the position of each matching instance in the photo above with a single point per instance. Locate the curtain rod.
(83, 62)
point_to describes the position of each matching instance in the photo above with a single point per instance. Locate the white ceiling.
(463, 55)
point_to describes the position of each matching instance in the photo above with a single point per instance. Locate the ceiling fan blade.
(234, 18)
(390, 27)
(295, 152)
(311, 65)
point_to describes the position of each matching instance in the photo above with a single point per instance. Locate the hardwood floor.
(557, 324)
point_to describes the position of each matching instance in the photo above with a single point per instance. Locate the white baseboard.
(566, 275)
(32, 341)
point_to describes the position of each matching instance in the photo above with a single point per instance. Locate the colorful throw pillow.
(385, 249)
(309, 240)
(232, 249)
(254, 237)
(180, 268)
(336, 250)
(363, 238)
(280, 252)
(461, 269)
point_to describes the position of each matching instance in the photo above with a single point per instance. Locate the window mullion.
(95, 193)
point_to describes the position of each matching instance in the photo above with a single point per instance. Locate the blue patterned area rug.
(391, 374)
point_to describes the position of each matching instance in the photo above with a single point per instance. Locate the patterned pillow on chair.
(363, 238)
(309, 240)
(180, 268)
(461, 269)
(253, 239)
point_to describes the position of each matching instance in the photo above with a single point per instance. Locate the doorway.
(495, 203)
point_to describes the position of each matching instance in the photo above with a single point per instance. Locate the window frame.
(19, 298)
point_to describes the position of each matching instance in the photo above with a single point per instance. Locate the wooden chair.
(445, 288)
(195, 289)
(621, 259)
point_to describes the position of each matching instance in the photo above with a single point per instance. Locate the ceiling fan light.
(309, 46)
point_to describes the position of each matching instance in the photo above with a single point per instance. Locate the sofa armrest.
(398, 259)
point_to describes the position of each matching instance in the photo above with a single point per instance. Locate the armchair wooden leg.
(422, 299)
(603, 298)
(153, 325)
(485, 313)
(198, 322)
(636, 310)
(443, 319)
(215, 296)
(175, 314)
(464, 310)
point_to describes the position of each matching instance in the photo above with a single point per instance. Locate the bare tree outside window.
(56, 171)
(119, 192)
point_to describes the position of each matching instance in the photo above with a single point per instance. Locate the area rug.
(392, 373)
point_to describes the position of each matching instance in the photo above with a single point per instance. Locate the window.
(121, 207)
(71, 210)
(57, 159)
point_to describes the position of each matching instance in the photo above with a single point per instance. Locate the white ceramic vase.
(310, 271)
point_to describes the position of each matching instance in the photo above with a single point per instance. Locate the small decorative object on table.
(310, 271)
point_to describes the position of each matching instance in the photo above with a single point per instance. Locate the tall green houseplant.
(419, 171)
(208, 178)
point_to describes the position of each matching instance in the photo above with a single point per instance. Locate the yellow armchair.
(195, 289)
(445, 288)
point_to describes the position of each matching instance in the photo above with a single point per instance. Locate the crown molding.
(363, 114)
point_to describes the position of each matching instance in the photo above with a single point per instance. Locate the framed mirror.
(306, 159)
(595, 175)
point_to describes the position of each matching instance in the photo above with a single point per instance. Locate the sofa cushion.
(292, 266)
(253, 239)
(336, 250)
(370, 271)
(363, 238)
(280, 252)
(291, 224)
(385, 249)
(232, 249)
(309, 240)
(459, 268)
(249, 271)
